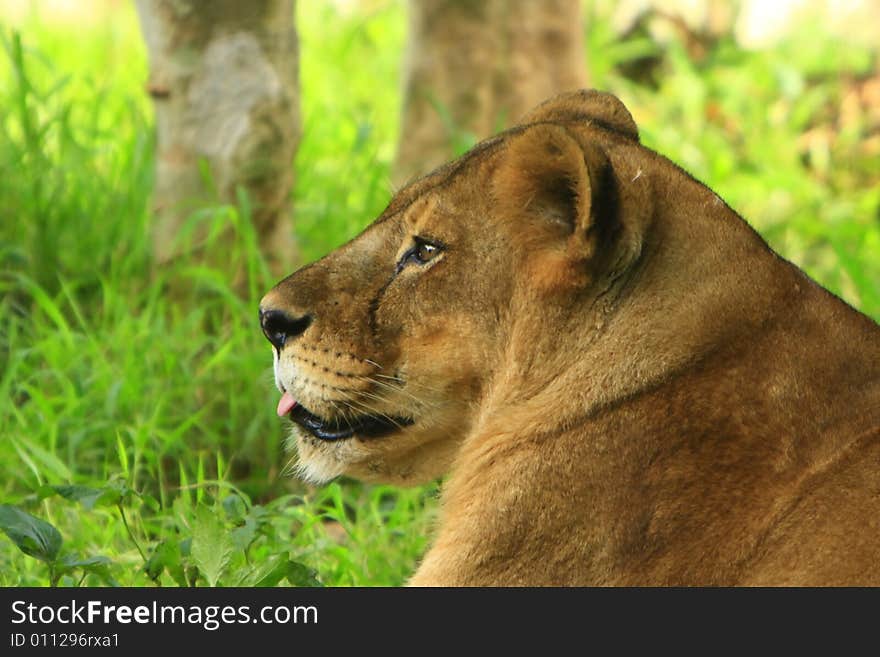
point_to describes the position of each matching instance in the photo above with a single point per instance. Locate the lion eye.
(421, 253)
(425, 252)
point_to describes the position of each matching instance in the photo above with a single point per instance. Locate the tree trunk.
(476, 66)
(224, 78)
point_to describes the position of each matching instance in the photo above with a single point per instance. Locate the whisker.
(382, 399)
(359, 405)
(397, 379)
(291, 467)
(363, 407)
(345, 411)
(340, 411)
(392, 378)
(398, 389)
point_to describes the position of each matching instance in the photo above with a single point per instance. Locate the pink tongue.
(285, 404)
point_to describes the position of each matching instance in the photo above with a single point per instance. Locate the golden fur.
(623, 382)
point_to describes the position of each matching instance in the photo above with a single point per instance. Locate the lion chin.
(621, 381)
(314, 466)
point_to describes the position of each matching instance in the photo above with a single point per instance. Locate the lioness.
(624, 383)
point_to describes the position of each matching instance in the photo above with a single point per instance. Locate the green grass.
(162, 414)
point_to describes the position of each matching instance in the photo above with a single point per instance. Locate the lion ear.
(546, 173)
(586, 105)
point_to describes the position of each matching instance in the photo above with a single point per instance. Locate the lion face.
(386, 350)
(383, 343)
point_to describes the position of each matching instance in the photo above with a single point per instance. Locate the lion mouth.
(365, 426)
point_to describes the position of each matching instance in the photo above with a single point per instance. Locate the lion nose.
(279, 327)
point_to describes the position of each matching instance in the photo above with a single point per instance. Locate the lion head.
(388, 349)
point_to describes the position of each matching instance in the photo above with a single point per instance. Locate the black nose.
(279, 326)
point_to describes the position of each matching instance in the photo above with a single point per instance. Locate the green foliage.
(35, 537)
(137, 440)
(40, 540)
(354, 536)
(211, 547)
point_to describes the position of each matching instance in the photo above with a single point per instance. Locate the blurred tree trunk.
(475, 66)
(224, 80)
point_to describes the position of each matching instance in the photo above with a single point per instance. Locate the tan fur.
(623, 382)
